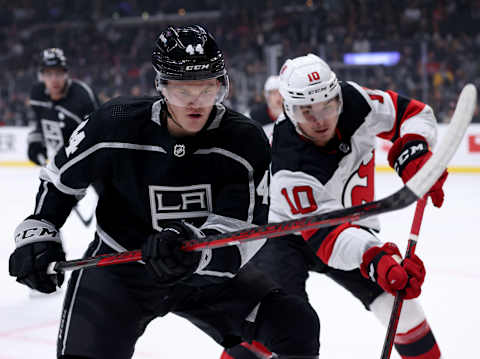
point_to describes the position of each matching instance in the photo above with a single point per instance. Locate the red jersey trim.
(326, 247)
(413, 335)
(413, 108)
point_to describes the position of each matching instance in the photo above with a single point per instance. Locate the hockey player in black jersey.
(59, 103)
(174, 167)
(323, 160)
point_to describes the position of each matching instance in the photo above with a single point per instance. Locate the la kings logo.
(168, 202)
(53, 134)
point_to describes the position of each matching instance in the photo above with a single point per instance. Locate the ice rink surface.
(449, 244)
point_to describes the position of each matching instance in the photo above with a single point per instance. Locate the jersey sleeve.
(78, 164)
(295, 194)
(394, 115)
(240, 204)
(91, 102)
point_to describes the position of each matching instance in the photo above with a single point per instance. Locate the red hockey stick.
(398, 303)
(397, 200)
(414, 189)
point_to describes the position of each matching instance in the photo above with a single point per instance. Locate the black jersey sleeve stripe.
(405, 108)
(322, 240)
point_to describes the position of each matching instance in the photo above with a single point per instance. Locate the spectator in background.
(446, 32)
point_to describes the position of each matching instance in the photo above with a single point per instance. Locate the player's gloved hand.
(407, 155)
(384, 265)
(163, 257)
(38, 243)
(37, 153)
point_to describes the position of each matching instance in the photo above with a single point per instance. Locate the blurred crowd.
(108, 44)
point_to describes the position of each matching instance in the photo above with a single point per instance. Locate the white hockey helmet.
(272, 83)
(307, 80)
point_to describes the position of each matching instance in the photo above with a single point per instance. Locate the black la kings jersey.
(308, 180)
(56, 120)
(216, 179)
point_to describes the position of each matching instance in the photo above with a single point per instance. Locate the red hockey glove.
(384, 265)
(407, 156)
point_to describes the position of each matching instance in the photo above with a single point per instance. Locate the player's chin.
(196, 123)
(324, 133)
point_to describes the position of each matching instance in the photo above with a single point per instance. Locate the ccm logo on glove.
(407, 155)
(32, 230)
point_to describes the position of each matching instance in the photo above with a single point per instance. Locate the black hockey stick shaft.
(414, 189)
(398, 303)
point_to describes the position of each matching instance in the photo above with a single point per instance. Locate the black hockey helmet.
(53, 57)
(187, 53)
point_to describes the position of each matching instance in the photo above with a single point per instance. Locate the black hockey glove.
(37, 153)
(38, 243)
(164, 259)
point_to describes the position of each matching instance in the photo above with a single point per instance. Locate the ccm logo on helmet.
(197, 67)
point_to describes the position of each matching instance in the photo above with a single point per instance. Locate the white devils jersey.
(307, 179)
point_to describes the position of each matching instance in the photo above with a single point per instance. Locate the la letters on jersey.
(168, 202)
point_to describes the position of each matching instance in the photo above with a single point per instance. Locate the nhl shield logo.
(179, 150)
(344, 147)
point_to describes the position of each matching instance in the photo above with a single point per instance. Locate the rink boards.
(13, 149)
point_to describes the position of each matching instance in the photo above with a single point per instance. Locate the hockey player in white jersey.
(323, 160)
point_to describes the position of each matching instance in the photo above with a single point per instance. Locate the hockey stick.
(86, 222)
(398, 303)
(414, 189)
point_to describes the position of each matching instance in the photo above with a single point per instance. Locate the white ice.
(448, 243)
